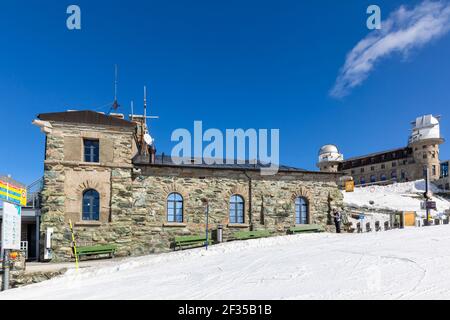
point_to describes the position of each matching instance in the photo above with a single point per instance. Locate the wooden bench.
(307, 228)
(358, 227)
(184, 242)
(377, 226)
(245, 235)
(108, 249)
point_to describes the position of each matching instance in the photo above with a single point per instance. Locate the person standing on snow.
(337, 220)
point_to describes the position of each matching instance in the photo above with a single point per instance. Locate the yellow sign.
(349, 186)
(410, 219)
(13, 194)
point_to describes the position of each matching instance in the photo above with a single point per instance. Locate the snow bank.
(400, 196)
(399, 264)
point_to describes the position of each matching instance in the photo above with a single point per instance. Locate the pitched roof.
(166, 160)
(375, 158)
(86, 117)
(375, 154)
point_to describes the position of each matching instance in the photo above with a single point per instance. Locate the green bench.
(96, 250)
(183, 242)
(245, 235)
(307, 228)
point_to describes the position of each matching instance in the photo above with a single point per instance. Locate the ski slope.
(413, 263)
(405, 196)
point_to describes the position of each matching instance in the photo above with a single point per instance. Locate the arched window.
(236, 209)
(175, 207)
(383, 177)
(362, 180)
(373, 178)
(394, 175)
(301, 211)
(91, 205)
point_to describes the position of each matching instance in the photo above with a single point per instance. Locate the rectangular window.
(383, 166)
(403, 175)
(91, 150)
(362, 170)
(372, 168)
(394, 164)
(433, 170)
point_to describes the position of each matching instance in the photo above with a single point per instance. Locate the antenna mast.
(144, 149)
(115, 104)
(145, 138)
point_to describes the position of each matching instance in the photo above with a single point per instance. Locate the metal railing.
(34, 193)
(377, 183)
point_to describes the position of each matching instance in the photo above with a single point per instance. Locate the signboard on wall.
(11, 226)
(13, 193)
(349, 186)
(431, 205)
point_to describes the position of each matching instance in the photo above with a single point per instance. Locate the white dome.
(330, 152)
(425, 127)
(328, 148)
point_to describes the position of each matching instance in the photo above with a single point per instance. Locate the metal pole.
(207, 216)
(5, 265)
(74, 245)
(427, 188)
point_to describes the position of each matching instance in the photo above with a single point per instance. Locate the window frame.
(236, 205)
(92, 154)
(172, 215)
(301, 207)
(91, 213)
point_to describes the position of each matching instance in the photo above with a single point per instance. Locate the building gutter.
(250, 218)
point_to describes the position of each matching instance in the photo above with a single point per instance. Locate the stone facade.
(133, 196)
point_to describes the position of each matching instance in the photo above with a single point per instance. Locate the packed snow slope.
(401, 264)
(405, 196)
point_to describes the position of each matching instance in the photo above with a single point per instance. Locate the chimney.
(117, 115)
(138, 120)
(152, 154)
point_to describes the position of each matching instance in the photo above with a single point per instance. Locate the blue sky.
(231, 64)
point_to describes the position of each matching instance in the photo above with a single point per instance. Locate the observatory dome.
(330, 152)
(328, 148)
(425, 127)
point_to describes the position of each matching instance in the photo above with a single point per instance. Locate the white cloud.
(405, 29)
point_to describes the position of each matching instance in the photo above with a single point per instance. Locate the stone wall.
(138, 223)
(133, 197)
(66, 176)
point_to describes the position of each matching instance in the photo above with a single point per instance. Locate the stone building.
(97, 175)
(401, 164)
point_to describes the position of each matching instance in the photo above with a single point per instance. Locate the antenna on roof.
(145, 107)
(145, 138)
(115, 104)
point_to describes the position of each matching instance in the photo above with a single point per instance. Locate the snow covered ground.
(400, 196)
(413, 263)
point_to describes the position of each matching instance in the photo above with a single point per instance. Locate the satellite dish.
(148, 139)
